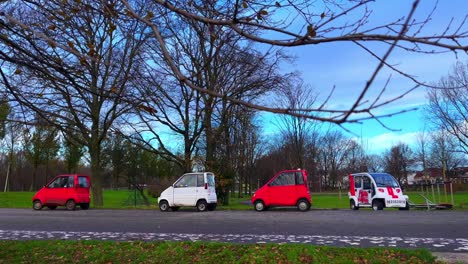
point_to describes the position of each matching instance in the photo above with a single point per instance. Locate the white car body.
(376, 190)
(191, 189)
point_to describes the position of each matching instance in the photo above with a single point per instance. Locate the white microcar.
(376, 190)
(191, 189)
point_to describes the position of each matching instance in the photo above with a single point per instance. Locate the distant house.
(433, 175)
(460, 175)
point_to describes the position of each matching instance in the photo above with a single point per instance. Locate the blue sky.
(348, 67)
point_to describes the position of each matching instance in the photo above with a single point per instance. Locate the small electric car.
(191, 189)
(375, 190)
(64, 190)
(286, 188)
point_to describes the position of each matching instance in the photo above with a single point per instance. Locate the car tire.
(352, 205)
(84, 206)
(164, 206)
(37, 205)
(377, 205)
(259, 206)
(52, 207)
(175, 208)
(202, 206)
(303, 205)
(70, 205)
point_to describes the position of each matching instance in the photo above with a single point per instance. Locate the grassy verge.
(124, 199)
(197, 252)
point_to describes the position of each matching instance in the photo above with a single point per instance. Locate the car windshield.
(384, 180)
(210, 179)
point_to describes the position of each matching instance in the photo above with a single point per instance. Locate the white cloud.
(383, 142)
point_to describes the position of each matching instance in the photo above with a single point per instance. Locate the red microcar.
(286, 188)
(64, 190)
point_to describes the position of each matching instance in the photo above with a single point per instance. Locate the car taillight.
(398, 190)
(206, 186)
(381, 190)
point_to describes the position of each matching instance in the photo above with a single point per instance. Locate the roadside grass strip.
(58, 251)
(117, 200)
(433, 244)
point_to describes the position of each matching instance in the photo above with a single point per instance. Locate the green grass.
(16, 199)
(198, 252)
(122, 200)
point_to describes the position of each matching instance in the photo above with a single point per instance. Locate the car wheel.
(377, 205)
(259, 206)
(352, 205)
(175, 208)
(163, 206)
(303, 205)
(37, 205)
(70, 205)
(52, 207)
(211, 207)
(84, 206)
(202, 206)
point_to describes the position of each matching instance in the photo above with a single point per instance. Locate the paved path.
(441, 231)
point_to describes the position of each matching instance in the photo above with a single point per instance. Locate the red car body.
(64, 190)
(286, 188)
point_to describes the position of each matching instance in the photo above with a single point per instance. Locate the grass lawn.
(123, 199)
(197, 252)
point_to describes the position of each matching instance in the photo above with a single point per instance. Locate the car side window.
(55, 183)
(70, 182)
(200, 180)
(187, 181)
(286, 178)
(366, 183)
(62, 182)
(357, 182)
(83, 182)
(299, 178)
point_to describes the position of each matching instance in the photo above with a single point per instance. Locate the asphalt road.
(434, 230)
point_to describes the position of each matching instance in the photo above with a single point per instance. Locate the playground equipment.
(439, 200)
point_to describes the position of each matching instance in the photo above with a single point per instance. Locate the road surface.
(441, 231)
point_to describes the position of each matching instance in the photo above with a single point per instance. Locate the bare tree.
(70, 62)
(296, 131)
(422, 151)
(334, 152)
(41, 145)
(211, 57)
(349, 21)
(374, 163)
(397, 162)
(443, 154)
(448, 107)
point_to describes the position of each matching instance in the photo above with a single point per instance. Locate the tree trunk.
(33, 182)
(210, 140)
(96, 176)
(7, 176)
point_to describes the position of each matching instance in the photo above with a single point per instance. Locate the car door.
(364, 190)
(82, 189)
(58, 190)
(201, 191)
(302, 190)
(282, 189)
(185, 190)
